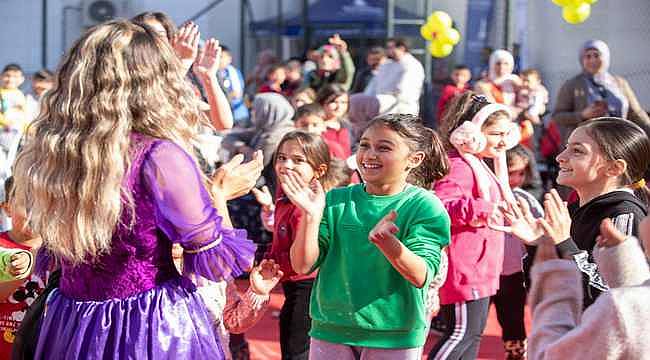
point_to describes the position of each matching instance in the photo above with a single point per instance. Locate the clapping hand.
(263, 197)
(383, 234)
(609, 235)
(208, 59)
(235, 179)
(522, 222)
(186, 44)
(264, 277)
(557, 221)
(19, 263)
(310, 198)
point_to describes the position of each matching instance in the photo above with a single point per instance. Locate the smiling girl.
(473, 130)
(376, 245)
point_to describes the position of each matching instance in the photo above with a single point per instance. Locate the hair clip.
(478, 98)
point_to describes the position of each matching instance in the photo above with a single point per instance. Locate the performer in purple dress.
(109, 179)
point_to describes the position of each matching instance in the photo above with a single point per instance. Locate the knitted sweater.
(612, 328)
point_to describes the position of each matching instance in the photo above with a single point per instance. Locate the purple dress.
(132, 303)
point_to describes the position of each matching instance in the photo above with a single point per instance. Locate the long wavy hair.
(118, 78)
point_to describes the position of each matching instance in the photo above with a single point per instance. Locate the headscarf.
(603, 85)
(506, 84)
(272, 118)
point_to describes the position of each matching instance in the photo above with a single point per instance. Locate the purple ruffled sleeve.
(184, 212)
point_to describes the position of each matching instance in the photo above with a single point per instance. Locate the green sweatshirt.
(358, 298)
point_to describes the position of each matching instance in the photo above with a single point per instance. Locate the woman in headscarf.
(596, 92)
(501, 84)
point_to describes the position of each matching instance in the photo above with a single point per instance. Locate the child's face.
(301, 99)
(495, 134)
(383, 157)
(18, 217)
(530, 81)
(277, 76)
(582, 164)
(291, 158)
(41, 86)
(327, 61)
(460, 77)
(517, 171)
(226, 60)
(12, 79)
(311, 123)
(337, 108)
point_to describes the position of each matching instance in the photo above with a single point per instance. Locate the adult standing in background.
(595, 92)
(501, 84)
(375, 57)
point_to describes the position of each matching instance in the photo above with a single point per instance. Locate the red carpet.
(264, 337)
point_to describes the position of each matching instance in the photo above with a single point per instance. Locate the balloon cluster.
(441, 35)
(575, 11)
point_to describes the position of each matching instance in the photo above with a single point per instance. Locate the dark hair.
(161, 17)
(339, 172)
(12, 67)
(9, 187)
(271, 68)
(316, 152)
(376, 50)
(462, 108)
(314, 109)
(225, 48)
(520, 151)
(330, 92)
(43, 75)
(533, 72)
(461, 67)
(620, 139)
(418, 138)
(400, 42)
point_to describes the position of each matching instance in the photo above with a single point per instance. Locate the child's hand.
(186, 43)
(557, 221)
(263, 197)
(338, 43)
(609, 235)
(265, 276)
(19, 264)
(522, 222)
(310, 198)
(208, 59)
(383, 234)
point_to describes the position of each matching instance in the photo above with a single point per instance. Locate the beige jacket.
(614, 327)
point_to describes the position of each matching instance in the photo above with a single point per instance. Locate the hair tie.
(638, 184)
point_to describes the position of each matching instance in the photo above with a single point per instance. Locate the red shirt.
(340, 137)
(447, 93)
(286, 219)
(267, 89)
(13, 308)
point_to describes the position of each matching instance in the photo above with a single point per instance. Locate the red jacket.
(447, 93)
(286, 219)
(340, 137)
(475, 252)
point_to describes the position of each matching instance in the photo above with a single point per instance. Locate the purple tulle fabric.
(132, 301)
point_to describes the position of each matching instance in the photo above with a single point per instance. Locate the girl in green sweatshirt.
(377, 245)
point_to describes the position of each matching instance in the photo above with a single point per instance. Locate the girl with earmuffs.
(473, 130)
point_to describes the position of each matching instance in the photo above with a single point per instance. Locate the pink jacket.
(476, 251)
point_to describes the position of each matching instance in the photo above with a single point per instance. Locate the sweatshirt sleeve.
(348, 70)
(624, 264)
(560, 329)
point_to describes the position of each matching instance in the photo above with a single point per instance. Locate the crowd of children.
(376, 226)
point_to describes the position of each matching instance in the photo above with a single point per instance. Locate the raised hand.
(208, 59)
(310, 198)
(557, 221)
(265, 276)
(19, 263)
(235, 179)
(522, 222)
(385, 230)
(339, 43)
(609, 235)
(186, 44)
(263, 197)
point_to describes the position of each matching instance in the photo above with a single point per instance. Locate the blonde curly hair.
(118, 78)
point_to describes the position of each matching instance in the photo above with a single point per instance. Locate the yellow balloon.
(590, 2)
(576, 14)
(439, 20)
(575, 3)
(440, 50)
(449, 36)
(426, 31)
